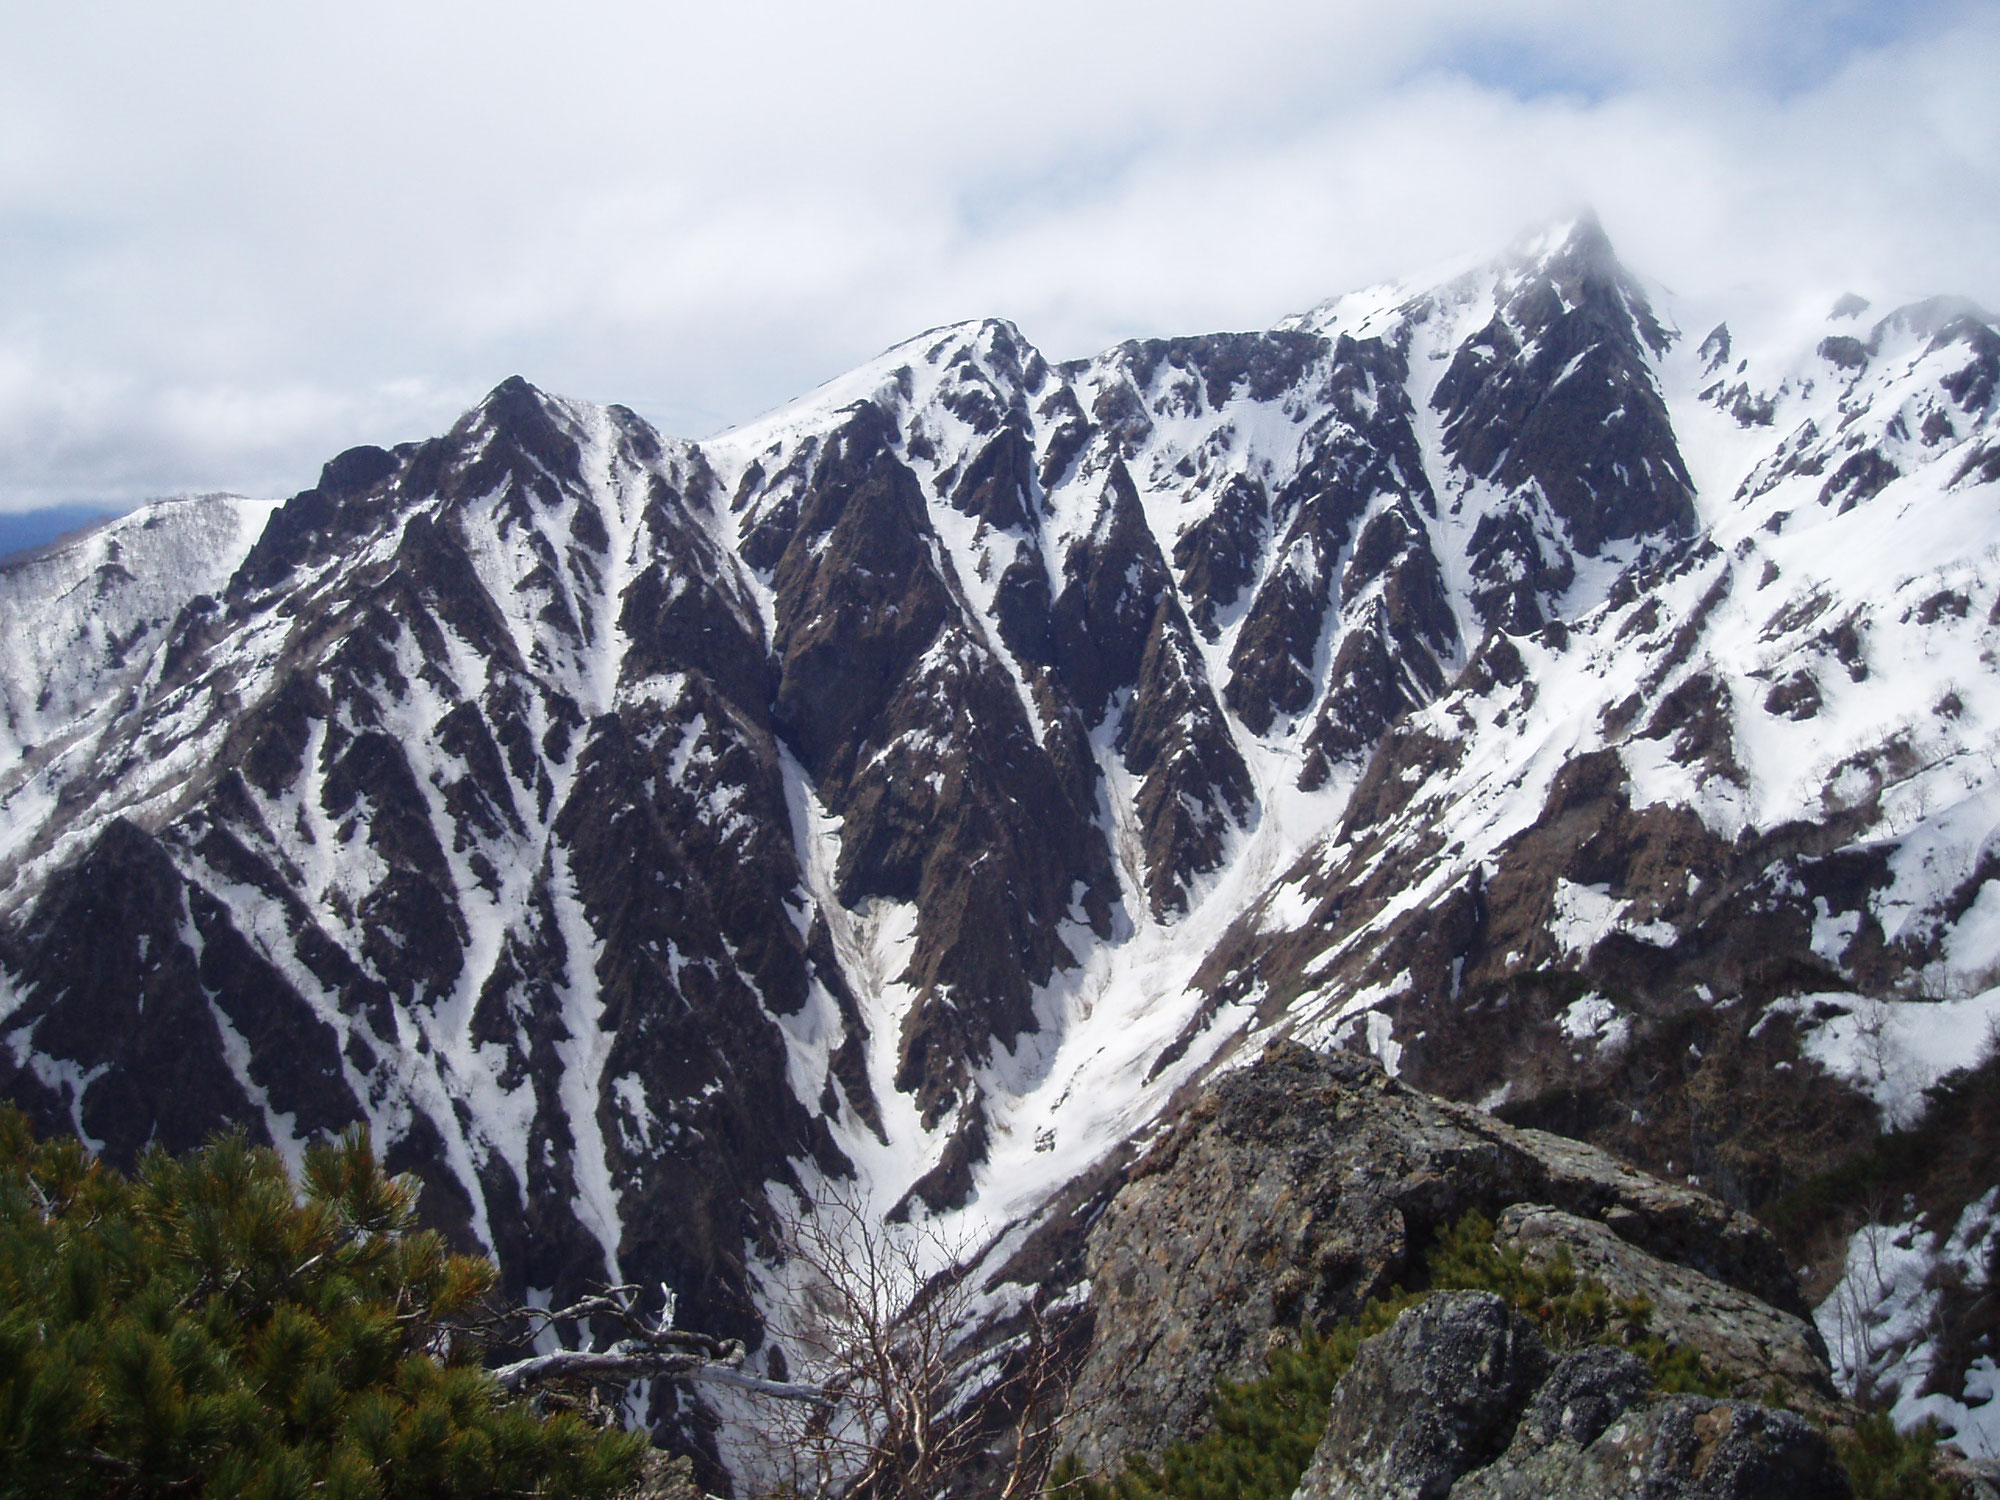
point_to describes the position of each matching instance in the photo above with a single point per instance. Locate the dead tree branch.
(650, 1349)
(892, 1318)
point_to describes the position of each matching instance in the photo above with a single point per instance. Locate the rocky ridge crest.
(1304, 1184)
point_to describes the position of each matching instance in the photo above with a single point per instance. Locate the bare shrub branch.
(650, 1349)
(888, 1317)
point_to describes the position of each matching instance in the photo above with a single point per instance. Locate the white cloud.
(236, 237)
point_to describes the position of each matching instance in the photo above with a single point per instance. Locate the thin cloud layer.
(237, 239)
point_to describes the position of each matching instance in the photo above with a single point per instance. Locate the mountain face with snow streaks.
(918, 787)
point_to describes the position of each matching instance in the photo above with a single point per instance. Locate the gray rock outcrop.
(1738, 1336)
(1435, 1396)
(1678, 1448)
(1459, 1398)
(1304, 1184)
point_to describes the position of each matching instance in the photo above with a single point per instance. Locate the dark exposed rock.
(1114, 583)
(1797, 697)
(1860, 477)
(1436, 1395)
(1944, 603)
(1750, 409)
(355, 472)
(412, 934)
(1391, 660)
(350, 500)
(1555, 393)
(1217, 555)
(1118, 622)
(1971, 385)
(514, 442)
(879, 657)
(1981, 465)
(685, 612)
(1714, 350)
(693, 1032)
(1678, 1448)
(1193, 784)
(1696, 716)
(949, 1184)
(1365, 448)
(997, 484)
(1517, 571)
(128, 990)
(1069, 431)
(859, 600)
(1264, 366)
(1120, 414)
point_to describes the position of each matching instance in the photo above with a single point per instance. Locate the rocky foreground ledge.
(1461, 1398)
(1304, 1184)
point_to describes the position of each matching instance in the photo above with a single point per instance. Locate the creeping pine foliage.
(205, 1327)
(1886, 1464)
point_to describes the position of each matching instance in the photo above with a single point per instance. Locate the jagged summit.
(920, 785)
(1572, 244)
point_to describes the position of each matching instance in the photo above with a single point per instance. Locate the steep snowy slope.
(921, 785)
(83, 618)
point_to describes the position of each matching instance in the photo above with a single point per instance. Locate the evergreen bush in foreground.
(207, 1328)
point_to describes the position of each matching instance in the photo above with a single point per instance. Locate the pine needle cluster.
(206, 1327)
(1886, 1464)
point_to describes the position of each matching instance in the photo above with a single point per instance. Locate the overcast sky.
(235, 238)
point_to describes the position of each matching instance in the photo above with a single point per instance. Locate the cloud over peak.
(238, 238)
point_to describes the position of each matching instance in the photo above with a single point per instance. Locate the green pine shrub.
(1886, 1464)
(206, 1327)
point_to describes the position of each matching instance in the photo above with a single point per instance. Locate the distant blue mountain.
(31, 528)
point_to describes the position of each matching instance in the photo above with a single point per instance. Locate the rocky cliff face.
(922, 786)
(1304, 1184)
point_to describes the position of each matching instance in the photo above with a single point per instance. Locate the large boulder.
(1459, 1398)
(1740, 1337)
(1678, 1448)
(1438, 1394)
(1300, 1186)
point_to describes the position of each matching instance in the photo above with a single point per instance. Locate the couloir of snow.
(1076, 1088)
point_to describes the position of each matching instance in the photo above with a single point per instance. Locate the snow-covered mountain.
(922, 785)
